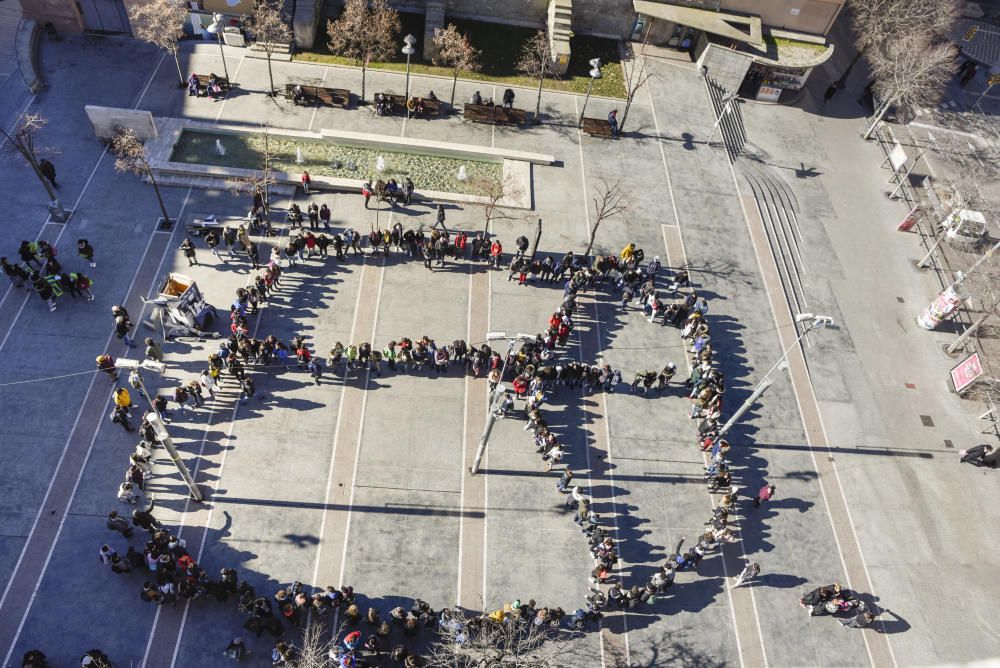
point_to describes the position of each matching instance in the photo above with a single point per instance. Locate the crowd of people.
(38, 270)
(534, 373)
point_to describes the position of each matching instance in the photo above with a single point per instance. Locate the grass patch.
(783, 43)
(501, 48)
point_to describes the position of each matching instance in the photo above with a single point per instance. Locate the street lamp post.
(156, 420)
(408, 50)
(496, 396)
(595, 74)
(726, 109)
(216, 29)
(815, 322)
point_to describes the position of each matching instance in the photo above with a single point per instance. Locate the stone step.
(563, 13)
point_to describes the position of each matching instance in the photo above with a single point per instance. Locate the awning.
(717, 23)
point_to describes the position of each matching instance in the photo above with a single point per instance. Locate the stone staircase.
(560, 26)
(281, 51)
(433, 19)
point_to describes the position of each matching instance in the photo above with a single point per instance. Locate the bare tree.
(270, 28)
(910, 74)
(491, 194)
(536, 61)
(907, 43)
(454, 50)
(131, 157)
(984, 296)
(880, 23)
(161, 23)
(635, 75)
(22, 139)
(365, 31)
(506, 643)
(316, 649)
(258, 182)
(609, 201)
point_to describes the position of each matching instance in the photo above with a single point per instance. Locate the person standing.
(366, 191)
(122, 327)
(749, 572)
(123, 400)
(407, 190)
(153, 350)
(119, 524)
(324, 216)
(106, 363)
(86, 251)
(859, 621)
(120, 416)
(189, 251)
(14, 272)
(48, 170)
(306, 181)
(212, 241)
(440, 217)
(229, 239)
(765, 493)
(313, 212)
(44, 289)
(315, 367)
(254, 254)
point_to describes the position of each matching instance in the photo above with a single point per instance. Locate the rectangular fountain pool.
(327, 159)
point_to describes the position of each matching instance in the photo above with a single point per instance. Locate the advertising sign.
(911, 219)
(967, 372)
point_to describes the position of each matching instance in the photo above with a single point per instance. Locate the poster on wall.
(768, 94)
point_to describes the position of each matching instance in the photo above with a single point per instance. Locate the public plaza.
(364, 480)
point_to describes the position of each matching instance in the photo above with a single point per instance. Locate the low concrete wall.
(107, 121)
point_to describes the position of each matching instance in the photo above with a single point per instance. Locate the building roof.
(717, 23)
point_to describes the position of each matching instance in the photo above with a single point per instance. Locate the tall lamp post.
(216, 29)
(408, 50)
(156, 420)
(495, 397)
(815, 322)
(595, 74)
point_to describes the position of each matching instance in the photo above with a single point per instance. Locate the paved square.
(363, 479)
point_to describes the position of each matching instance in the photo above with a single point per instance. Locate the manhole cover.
(927, 421)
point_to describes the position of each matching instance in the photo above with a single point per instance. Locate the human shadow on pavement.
(778, 580)
(668, 650)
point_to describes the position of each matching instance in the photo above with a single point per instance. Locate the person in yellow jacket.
(627, 252)
(122, 398)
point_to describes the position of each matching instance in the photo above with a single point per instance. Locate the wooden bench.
(331, 97)
(397, 104)
(495, 114)
(203, 81)
(598, 127)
